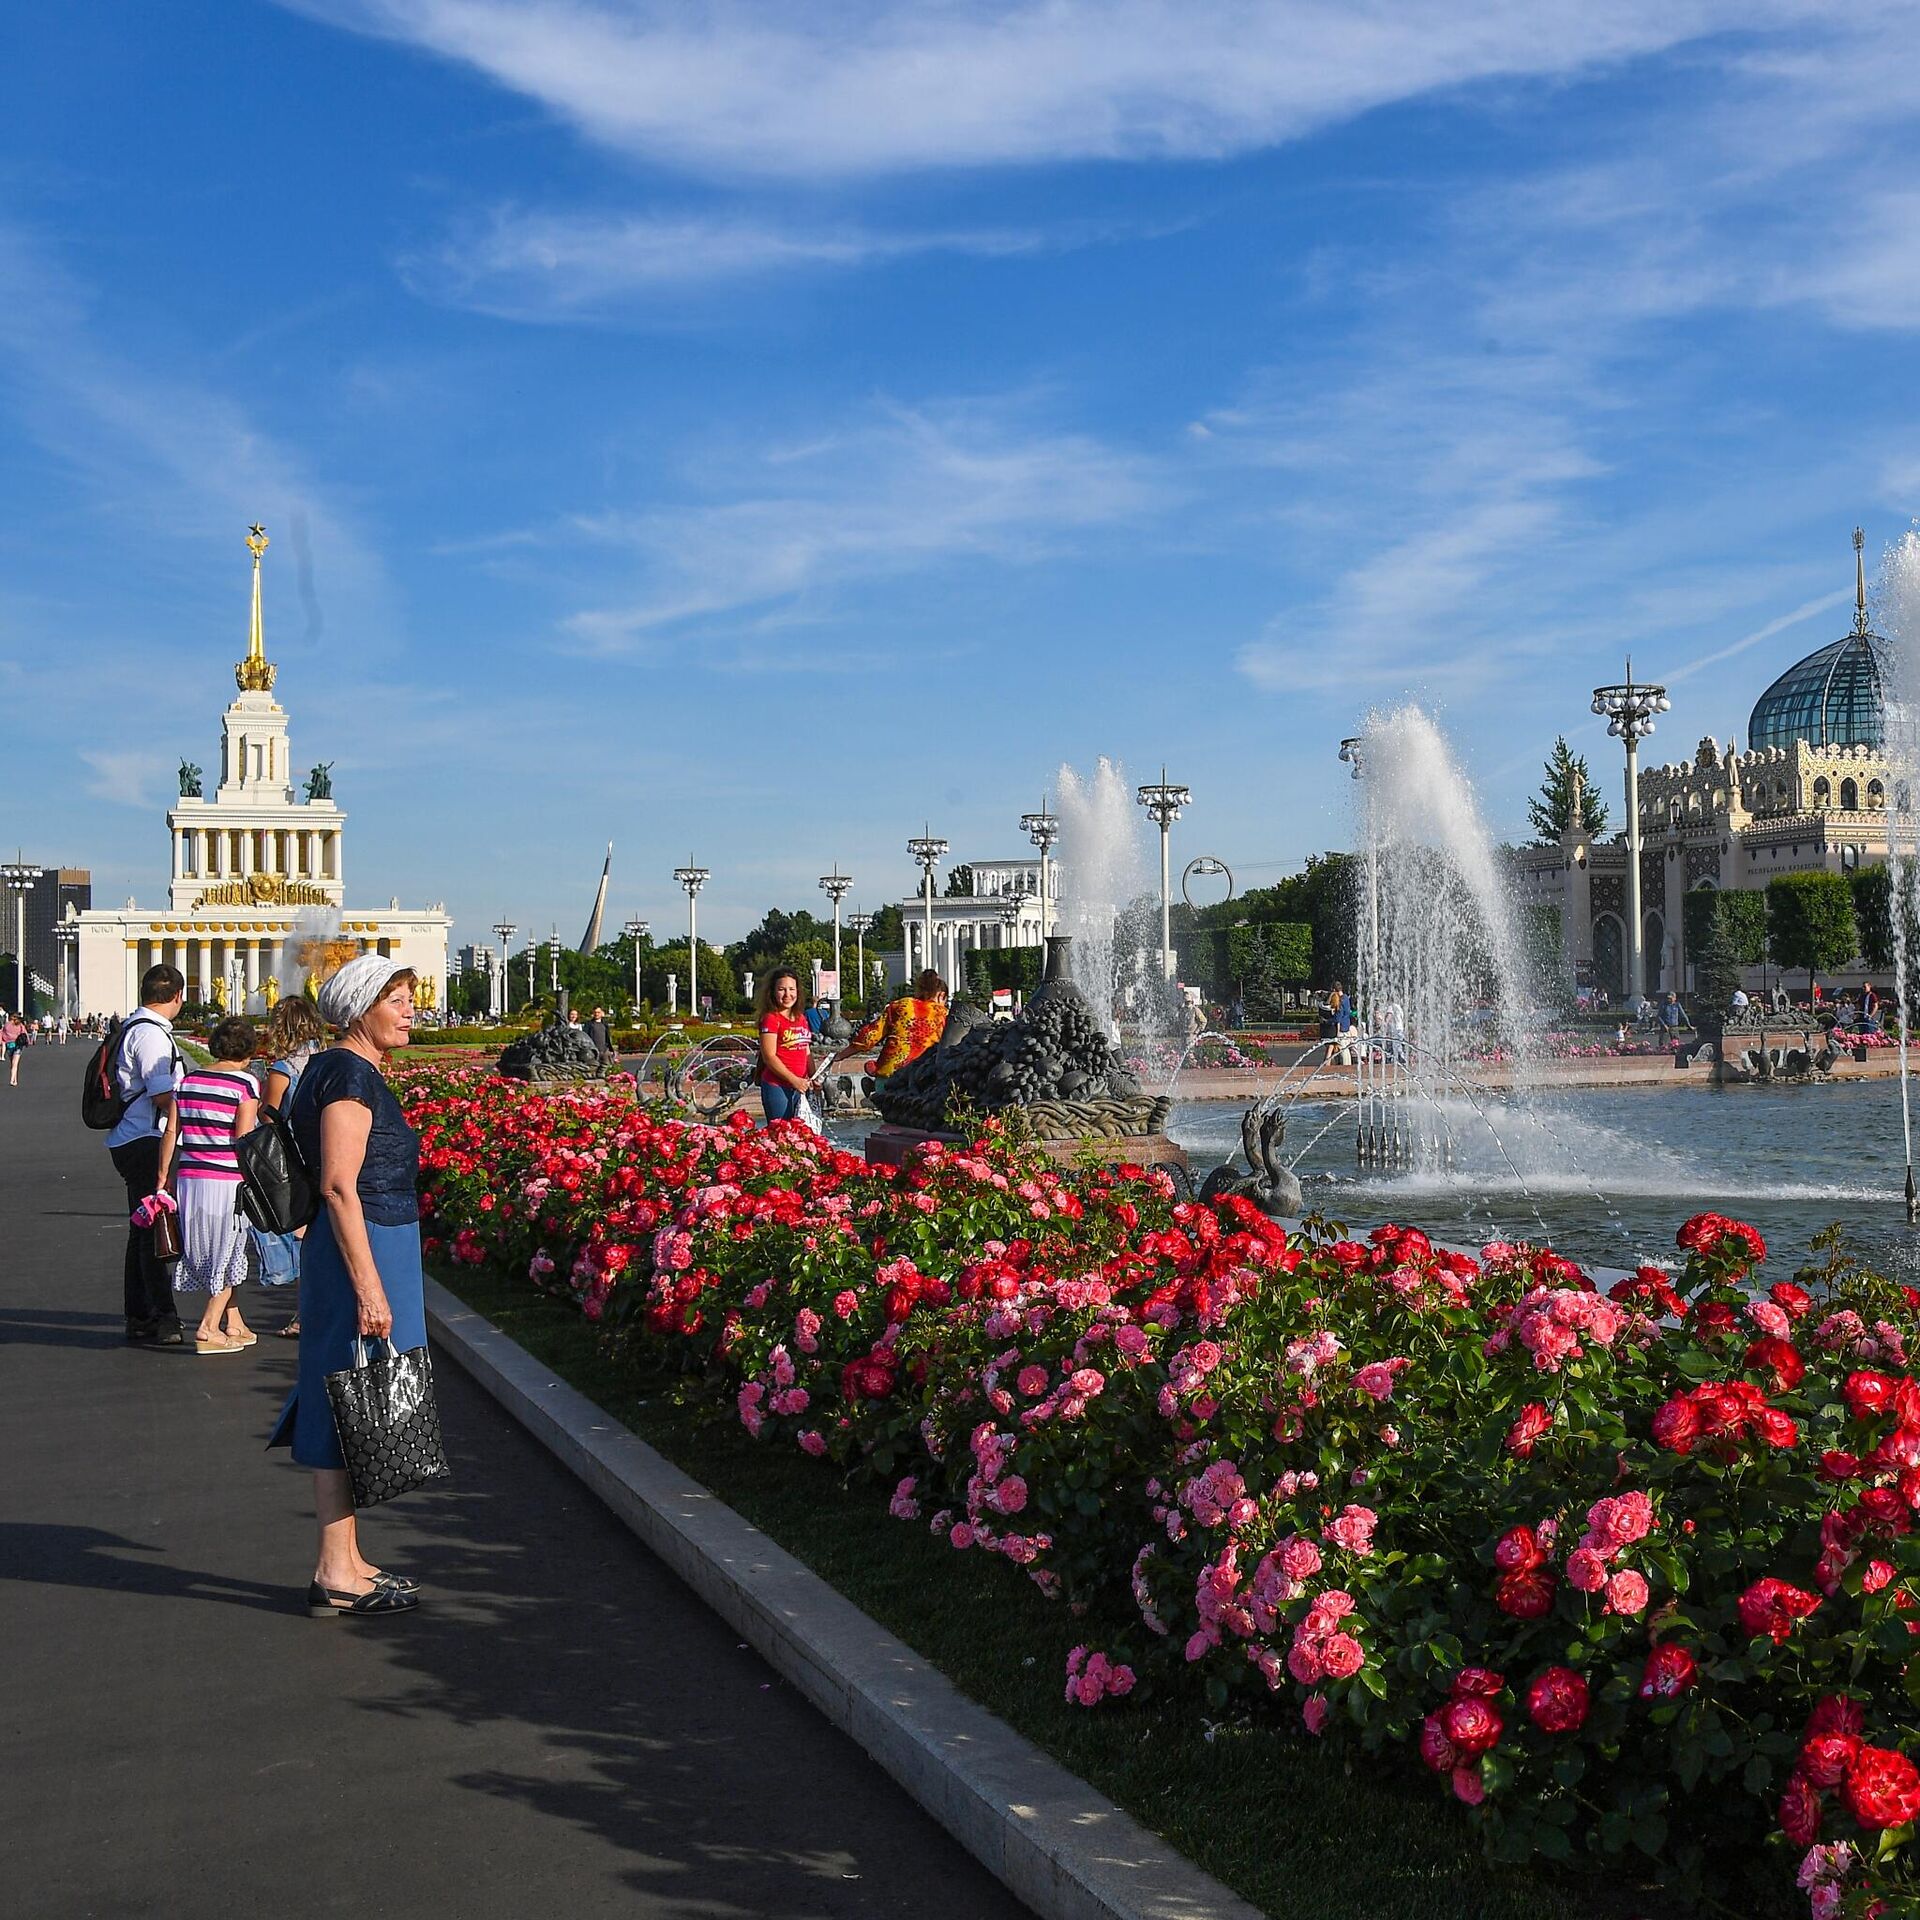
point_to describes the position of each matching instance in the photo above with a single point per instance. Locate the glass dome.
(1832, 698)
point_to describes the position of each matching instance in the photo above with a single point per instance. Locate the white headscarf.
(346, 995)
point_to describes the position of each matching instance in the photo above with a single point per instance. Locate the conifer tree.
(1553, 806)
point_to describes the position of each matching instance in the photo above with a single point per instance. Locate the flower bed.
(1628, 1573)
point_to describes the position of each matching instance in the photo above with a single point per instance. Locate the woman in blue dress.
(360, 1261)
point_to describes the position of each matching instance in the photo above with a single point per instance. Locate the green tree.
(1717, 968)
(886, 935)
(1810, 922)
(1553, 807)
(960, 882)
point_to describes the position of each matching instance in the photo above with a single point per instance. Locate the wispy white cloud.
(761, 87)
(129, 778)
(531, 265)
(901, 490)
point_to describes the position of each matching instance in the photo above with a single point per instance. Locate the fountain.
(315, 949)
(1103, 871)
(1900, 595)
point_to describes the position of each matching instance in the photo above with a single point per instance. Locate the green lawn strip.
(1298, 1827)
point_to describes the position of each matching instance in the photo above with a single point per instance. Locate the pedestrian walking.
(13, 1037)
(213, 1106)
(601, 1036)
(146, 1068)
(360, 1274)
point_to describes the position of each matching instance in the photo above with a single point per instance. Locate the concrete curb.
(1054, 1842)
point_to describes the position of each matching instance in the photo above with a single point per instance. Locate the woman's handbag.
(166, 1234)
(388, 1421)
(277, 1191)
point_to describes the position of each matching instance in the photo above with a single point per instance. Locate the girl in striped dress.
(213, 1107)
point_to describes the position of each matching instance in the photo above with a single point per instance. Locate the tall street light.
(836, 884)
(503, 931)
(636, 931)
(1163, 803)
(67, 934)
(929, 851)
(20, 875)
(1629, 710)
(860, 923)
(553, 962)
(693, 879)
(1043, 829)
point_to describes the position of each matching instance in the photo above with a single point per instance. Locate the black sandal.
(399, 1582)
(379, 1598)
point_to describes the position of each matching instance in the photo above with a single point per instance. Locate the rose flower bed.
(1627, 1572)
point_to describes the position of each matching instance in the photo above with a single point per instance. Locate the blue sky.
(749, 431)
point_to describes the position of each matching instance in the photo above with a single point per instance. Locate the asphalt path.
(561, 1729)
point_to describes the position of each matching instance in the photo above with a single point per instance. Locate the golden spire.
(1859, 580)
(254, 674)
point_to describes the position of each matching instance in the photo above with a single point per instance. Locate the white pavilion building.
(255, 870)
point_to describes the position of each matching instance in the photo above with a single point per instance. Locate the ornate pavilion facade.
(1811, 791)
(256, 895)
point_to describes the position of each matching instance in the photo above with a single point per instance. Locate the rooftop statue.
(320, 781)
(190, 781)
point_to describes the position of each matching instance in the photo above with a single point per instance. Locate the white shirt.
(147, 1063)
(1739, 1000)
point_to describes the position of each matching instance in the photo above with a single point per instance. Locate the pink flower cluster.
(1092, 1677)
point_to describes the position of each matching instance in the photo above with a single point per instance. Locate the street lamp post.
(504, 930)
(1629, 710)
(636, 931)
(836, 884)
(1043, 829)
(20, 877)
(693, 879)
(67, 935)
(1163, 803)
(860, 923)
(929, 851)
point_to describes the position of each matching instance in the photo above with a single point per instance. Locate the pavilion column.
(179, 839)
(206, 970)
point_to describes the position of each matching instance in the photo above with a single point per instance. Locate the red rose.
(1557, 1701)
(1476, 1683)
(1671, 1671)
(1882, 1507)
(1526, 1593)
(1676, 1425)
(1906, 1403)
(1701, 1234)
(1519, 1547)
(1779, 1358)
(1789, 1298)
(1827, 1756)
(1435, 1748)
(1882, 1788)
(1471, 1726)
(1712, 1317)
(1776, 1428)
(1526, 1431)
(1867, 1394)
(1835, 1713)
(1800, 1811)
(1838, 1468)
(1772, 1607)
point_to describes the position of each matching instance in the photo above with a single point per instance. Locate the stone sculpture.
(320, 781)
(1271, 1185)
(557, 1052)
(191, 781)
(1053, 1061)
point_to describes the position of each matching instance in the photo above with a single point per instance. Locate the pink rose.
(1342, 1656)
(1586, 1570)
(813, 1443)
(1299, 1559)
(1626, 1593)
(1314, 1711)
(961, 1536)
(1468, 1785)
(1011, 1495)
(846, 1303)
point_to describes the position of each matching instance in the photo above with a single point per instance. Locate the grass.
(1295, 1826)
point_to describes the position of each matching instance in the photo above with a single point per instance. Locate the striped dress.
(216, 1250)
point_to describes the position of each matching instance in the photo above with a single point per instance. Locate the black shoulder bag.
(278, 1192)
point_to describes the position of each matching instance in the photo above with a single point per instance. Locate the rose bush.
(1631, 1570)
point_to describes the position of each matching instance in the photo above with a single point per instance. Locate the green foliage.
(1321, 897)
(1716, 966)
(1810, 921)
(1739, 913)
(960, 882)
(1016, 967)
(886, 935)
(1553, 807)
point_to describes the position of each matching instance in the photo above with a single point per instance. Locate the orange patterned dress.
(901, 1031)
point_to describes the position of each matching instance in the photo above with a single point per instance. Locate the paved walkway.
(561, 1730)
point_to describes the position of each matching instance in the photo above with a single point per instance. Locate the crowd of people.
(355, 1268)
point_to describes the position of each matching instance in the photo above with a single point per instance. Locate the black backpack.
(278, 1192)
(102, 1105)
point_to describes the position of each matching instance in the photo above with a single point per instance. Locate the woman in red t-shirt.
(784, 1040)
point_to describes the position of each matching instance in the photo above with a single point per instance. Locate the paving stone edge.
(1062, 1848)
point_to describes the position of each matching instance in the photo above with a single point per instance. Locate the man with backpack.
(143, 1068)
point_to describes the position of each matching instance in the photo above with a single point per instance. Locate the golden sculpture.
(424, 993)
(263, 890)
(220, 995)
(270, 991)
(255, 673)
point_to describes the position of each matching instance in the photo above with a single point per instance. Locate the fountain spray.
(1902, 581)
